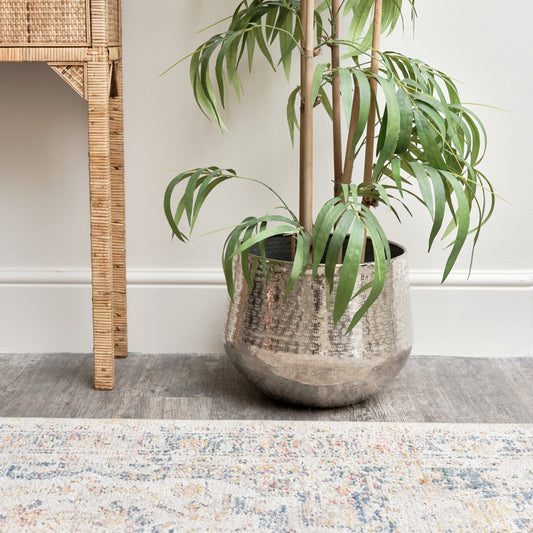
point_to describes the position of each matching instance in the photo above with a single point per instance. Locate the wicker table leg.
(116, 139)
(98, 79)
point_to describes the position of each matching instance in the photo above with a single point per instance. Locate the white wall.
(176, 294)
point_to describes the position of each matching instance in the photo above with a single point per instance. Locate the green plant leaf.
(479, 137)
(292, 117)
(204, 78)
(189, 193)
(349, 270)
(206, 187)
(424, 184)
(383, 196)
(430, 145)
(365, 96)
(381, 256)
(203, 100)
(287, 44)
(346, 83)
(228, 253)
(439, 192)
(463, 221)
(263, 235)
(395, 166)
(392, 129)
(325, 102)
(382, 132)
(317, 79)
(360, 30)
(260, 40)
(270, 22)
(262, 248)
(245, 264)
(203, 181)
(250, 48)
(375, 232)
(336, 243)
(326, 220)
(406, 122)
(301, 259)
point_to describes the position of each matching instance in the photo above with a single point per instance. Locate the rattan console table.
(81, 41)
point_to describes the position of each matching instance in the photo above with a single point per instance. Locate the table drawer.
(44, 22)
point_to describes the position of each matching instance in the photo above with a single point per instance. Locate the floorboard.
(428, 389)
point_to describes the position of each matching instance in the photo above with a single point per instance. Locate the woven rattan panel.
(74, 75)
(44, 22)
(113, 22)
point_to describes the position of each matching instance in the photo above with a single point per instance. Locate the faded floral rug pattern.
(211, 476)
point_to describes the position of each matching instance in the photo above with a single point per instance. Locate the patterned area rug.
(192, 476)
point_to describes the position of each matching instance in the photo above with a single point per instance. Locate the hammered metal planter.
(289, 348)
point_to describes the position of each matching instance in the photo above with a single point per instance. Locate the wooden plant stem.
(303, 7)
(306, 134)
(374, 68)
(336, 105)
(354, 119)
(349, 159)
(336, 100)
(371, 124)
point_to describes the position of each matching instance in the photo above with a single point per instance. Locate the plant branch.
(336, 99)
(306, 134)
(374, 68)
(351, 154)
(371, 124)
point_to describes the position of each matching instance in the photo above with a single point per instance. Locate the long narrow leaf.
(440, 203)
(463, 221)
(346, 84)
(406, 122)
(263, 235)
(317, 79)
(336, 243)
(392, 130)
(365, 96)
(322, 230)
(349, 269)
(381, 254)
(301, 259)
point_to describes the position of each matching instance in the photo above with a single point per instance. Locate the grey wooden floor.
(429, 389)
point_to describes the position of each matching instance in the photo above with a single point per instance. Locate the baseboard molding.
(203, 277)
(490, 314)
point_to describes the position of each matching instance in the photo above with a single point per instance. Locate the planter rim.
(402, 255)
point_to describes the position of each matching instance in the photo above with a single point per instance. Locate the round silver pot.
(289, 348)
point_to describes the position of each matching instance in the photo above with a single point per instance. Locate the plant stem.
(306, 135)
(374, 68)
(354, 119)
(371, 124)
(336, 100)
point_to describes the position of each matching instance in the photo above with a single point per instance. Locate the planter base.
(314, 382)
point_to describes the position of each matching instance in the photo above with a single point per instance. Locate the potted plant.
(319, 312)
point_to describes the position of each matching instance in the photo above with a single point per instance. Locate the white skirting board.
(491, 314)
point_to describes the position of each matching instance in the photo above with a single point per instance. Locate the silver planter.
(289, 348)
